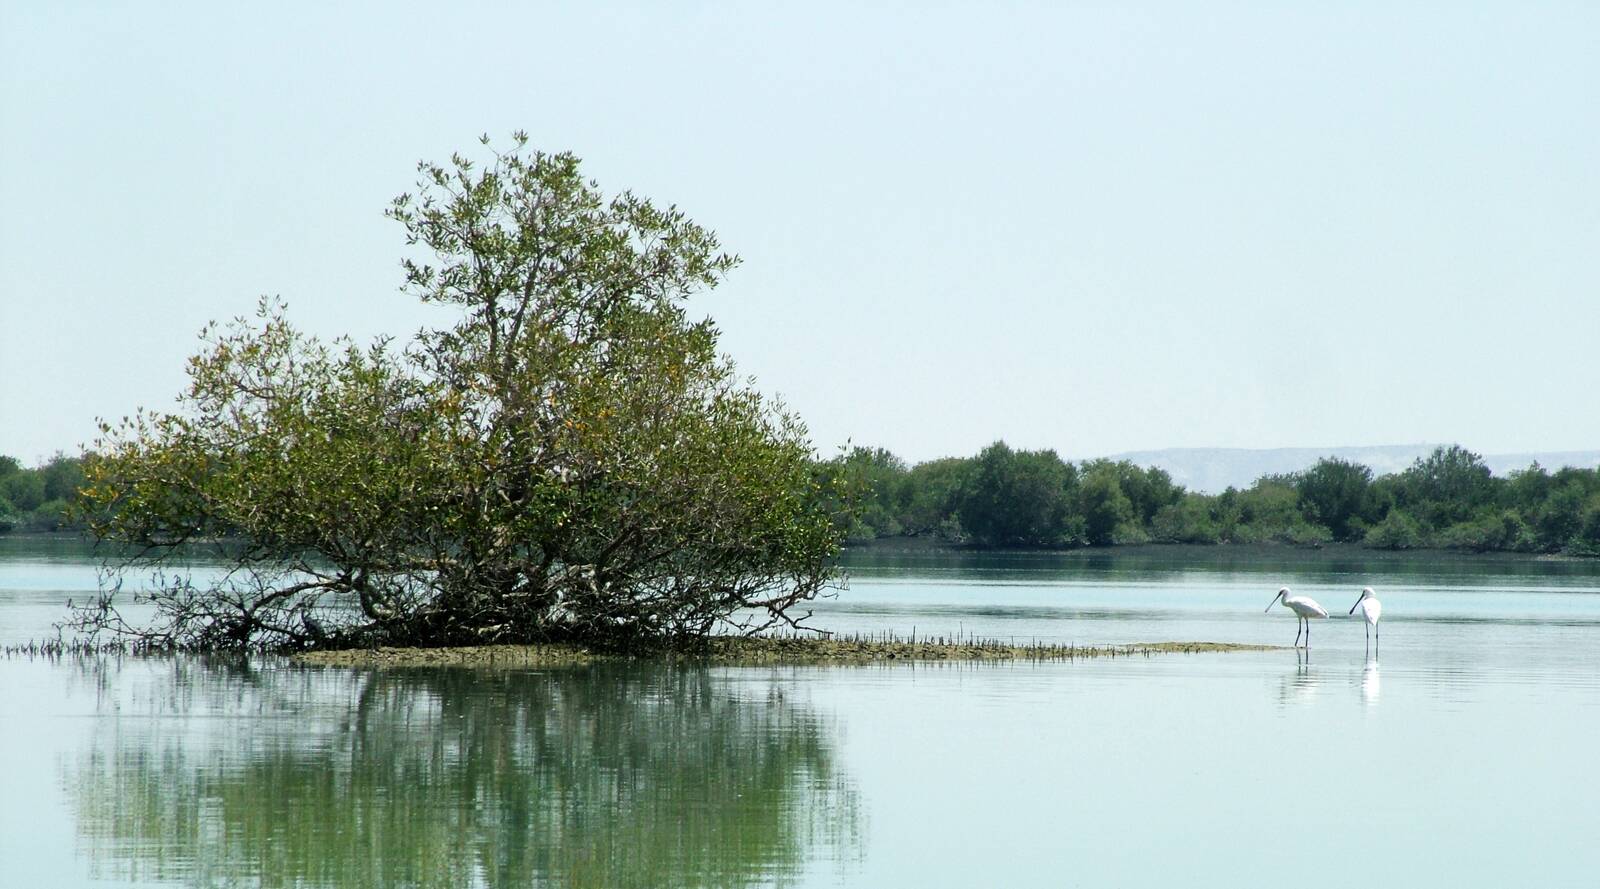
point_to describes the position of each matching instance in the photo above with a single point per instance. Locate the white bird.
(1371, 610)
(1304, 608)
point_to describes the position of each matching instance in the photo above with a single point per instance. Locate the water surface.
(1452, 756)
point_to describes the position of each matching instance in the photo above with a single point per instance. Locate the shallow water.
(1454, 756)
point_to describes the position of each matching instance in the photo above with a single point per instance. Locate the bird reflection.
(1371, 682)
(1301, 686)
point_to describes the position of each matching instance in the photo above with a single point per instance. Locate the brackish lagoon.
(1454, 756)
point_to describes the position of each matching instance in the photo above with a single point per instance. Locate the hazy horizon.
(1092, 229)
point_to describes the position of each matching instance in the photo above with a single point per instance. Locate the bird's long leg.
(1308, 634)
(1297, 631)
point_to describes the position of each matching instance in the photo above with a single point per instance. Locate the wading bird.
(1371, 610)
(1304, 607)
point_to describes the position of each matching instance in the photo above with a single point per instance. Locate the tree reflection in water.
(601, 776)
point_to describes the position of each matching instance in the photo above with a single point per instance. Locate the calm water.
(1457, 757)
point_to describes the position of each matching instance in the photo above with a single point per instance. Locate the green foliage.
(1105, 508)
(1503, 530)
(1397, 531)
(1526, 489)
(1007, 498)
(951, 529)
(1110, 503)
(932, 491)
(572, 458)
(39, 500)
(1270, 503)
(1017, 498)
(1587, 539)
(1382, 496)
(1187, 521)
(1448, 486)
(1305, 534)
(51, 515)
(63, 477)
(1148, 490)
(24, 490)
(1557, 520)
(873, 481)
(1333, 493)
(1269, 512)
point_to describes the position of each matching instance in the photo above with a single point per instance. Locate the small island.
(763, 651)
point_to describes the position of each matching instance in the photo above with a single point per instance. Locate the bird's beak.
(1273, 602)
(1353, 607)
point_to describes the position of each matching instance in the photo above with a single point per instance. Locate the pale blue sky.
(1093, 227)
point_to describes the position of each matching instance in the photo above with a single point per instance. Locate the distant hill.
(1212, 470)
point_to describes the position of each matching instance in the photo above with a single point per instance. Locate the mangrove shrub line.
(1004, 497)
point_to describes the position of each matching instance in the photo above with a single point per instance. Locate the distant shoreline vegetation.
(39, 499)
(1004, 498)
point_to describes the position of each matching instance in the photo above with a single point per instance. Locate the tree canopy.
(39, 499)
(572, 458)
(1333, 493)
(1002, 497)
